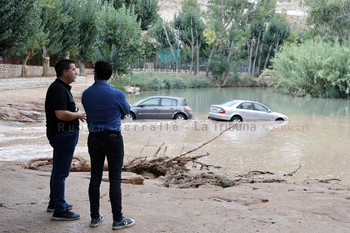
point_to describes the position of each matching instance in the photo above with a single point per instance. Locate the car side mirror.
(269, 111)
(141, 105)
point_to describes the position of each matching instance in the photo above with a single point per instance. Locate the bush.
(315, 68)
(218, 66)
(158, 81)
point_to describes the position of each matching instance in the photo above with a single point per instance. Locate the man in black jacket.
(62, 129)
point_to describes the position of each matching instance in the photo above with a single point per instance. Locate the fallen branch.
(292, 173)
(146, 146)
(190, 151)
(79, 164)
(329, 180)
(159, 148)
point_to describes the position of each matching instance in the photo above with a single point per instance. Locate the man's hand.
(65, 115)
(81, 116)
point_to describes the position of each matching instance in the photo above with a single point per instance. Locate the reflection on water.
(316, 137)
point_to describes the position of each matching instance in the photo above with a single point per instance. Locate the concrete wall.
(12, 71)
(33, 82)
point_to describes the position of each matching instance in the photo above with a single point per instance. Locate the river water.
(316, 136)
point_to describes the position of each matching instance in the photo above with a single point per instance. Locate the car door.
(247, 112)
(148, 109)
(262, 113)
(166, 108)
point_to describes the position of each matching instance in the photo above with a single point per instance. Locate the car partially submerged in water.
(244, 110)
(160, 107)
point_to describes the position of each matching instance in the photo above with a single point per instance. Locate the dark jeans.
(100, 145)
(63, 149)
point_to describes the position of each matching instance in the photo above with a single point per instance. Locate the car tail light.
(222, 110)
(186, 108)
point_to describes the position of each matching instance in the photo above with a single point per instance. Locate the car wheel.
(129, 117)
(236, 119)
(180, 117)
(279, 119)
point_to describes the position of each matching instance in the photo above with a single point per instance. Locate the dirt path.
(27, 105)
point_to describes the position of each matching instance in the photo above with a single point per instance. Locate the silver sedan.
(244, 110)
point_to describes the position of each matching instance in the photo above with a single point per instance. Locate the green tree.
(276, 34)
(191, 26)
(330, 18)
(164, 34)
(221, 17)
(51, 16)
(18, 19)
(147, 13)
(88, 33)
(29, 45)
(218, 66)
(119, 38)
(70, 22)
(258, 16)
(146, 10)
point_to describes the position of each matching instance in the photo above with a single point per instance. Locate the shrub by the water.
(315, 68)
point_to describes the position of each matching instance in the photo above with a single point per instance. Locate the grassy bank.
(153, 81)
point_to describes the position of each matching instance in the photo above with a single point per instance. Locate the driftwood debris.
(79, 164)
(292, 173)
(172, 172)
(159, 166)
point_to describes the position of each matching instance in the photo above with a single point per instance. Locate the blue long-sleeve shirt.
(104, 105)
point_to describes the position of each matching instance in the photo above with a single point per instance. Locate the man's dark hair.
(103, 69)
(62, 65)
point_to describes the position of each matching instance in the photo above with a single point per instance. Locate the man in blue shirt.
(104, 106)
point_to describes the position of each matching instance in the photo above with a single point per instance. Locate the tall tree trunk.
(82, 71)
(167, 37)
(229, 61)
(256, 54)
(46, 61)
(250, 56)
(261, 47)
(276, 47)
(268, 55)
(67, 54)
(210, 57)
(192, 47)
(115, 75)
(24, 72)
(156, 59)
(198, 46)
(184, 53)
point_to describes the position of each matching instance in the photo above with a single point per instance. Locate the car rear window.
(230, 103)
(168, 102)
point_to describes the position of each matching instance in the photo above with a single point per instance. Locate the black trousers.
(106, 144)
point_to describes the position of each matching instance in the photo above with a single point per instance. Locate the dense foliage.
(119, 38)
(18, 20)
(226, 34)
(314, 68)
(158, 81)
(330, 19)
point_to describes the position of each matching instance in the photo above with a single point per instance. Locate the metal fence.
(151, 64)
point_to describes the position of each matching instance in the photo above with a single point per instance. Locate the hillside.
(296, 15)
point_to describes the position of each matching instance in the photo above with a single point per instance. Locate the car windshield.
(230, 103)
